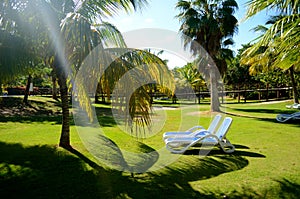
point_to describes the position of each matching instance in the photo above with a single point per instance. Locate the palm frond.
(282, 40)
(286, 7)
(127, 72)
(94, 9)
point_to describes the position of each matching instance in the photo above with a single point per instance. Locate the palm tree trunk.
(25, 100)
(215, 103)
(65, 131)
(294, 85)
(62, 81)
(54, 88)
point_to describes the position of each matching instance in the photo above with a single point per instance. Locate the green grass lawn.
(266, 162)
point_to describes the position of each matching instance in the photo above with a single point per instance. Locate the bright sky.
(161, 14)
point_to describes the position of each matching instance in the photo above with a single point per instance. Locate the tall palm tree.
(282, 38)
(211, 24)
(78, 29)
(86, 36)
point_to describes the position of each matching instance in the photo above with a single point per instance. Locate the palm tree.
(211, 24)
(76, 31)
(282, 38)
(81, 35)
(84, 36)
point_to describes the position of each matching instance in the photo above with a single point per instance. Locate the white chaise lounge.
(196, 130)
(182, 144)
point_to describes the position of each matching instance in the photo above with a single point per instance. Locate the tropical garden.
(80, 133)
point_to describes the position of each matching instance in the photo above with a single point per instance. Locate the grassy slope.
(265, 164)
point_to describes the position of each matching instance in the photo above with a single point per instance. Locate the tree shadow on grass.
(171, 181)
(290, 190)
(182, 172)
(270, 111)
(218, 152)
(104, 118)
(50, 172)
(28, 119)
(43, 172)
(294, 122)
(258, 110)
